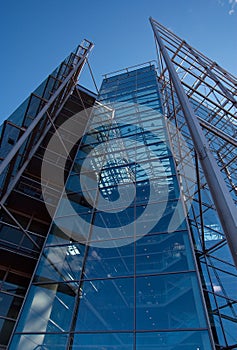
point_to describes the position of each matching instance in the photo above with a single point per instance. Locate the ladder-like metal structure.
(199, 99)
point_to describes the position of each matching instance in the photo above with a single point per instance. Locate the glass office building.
(135, 256)
(127, 284)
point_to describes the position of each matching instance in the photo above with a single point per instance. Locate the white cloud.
(230, 3)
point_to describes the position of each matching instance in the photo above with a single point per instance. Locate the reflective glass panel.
(109, 262)
(48, 308)
(106, 305)
(108, 341)
(63, 263)
(160, 217)
(192, 340)
(164, 253)
(39, 341)
(170, 301)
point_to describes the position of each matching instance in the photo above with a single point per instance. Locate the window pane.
(10, 305)
(169, 302)
(108, 341)
(49, 308)
(63, 263)
(110, 262)
(106, 305)
(39, 341)
(160, 217)
(194, 340)
(164, 253)
(6, 328)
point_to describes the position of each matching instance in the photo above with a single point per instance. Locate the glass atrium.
(123, 276)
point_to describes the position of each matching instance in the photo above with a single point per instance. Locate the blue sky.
(37, 35)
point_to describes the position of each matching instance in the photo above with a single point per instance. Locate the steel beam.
(213, 129)
(212, 75)
(222, 199)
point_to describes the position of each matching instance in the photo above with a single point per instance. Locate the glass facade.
(118, 268)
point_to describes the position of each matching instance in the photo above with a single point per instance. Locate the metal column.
(222, 199)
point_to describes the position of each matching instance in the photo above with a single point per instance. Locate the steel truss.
(199, 98)
(30, 139)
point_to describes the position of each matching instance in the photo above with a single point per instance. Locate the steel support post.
(222, 199)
